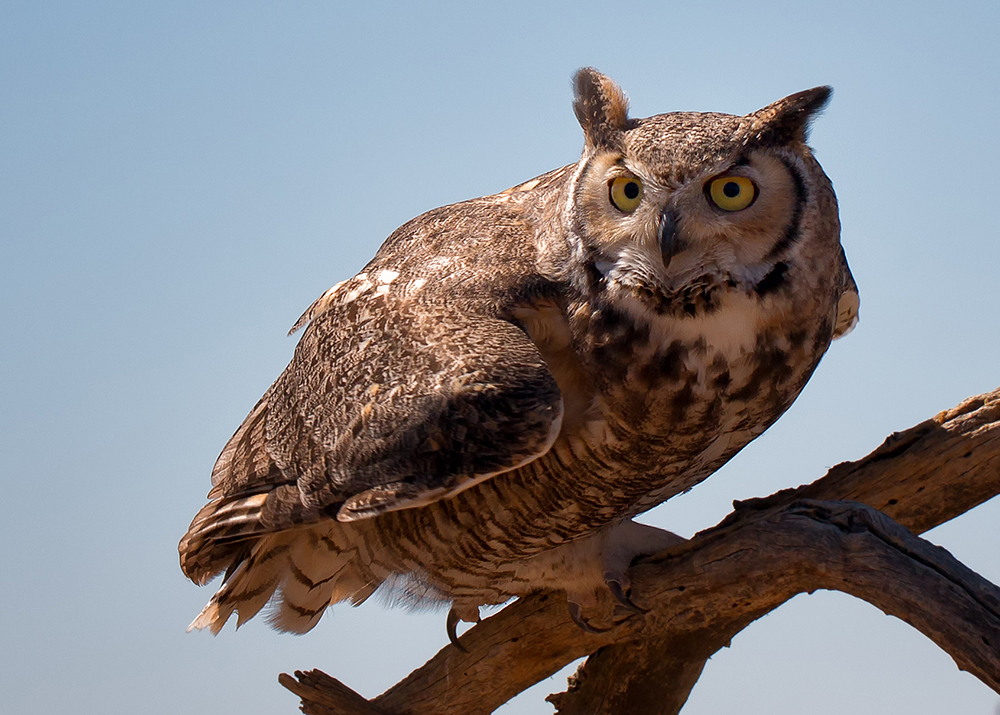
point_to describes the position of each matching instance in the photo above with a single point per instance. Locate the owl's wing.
(391, 404)
(387, 404)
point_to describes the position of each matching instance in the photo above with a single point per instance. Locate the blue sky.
(178, 181)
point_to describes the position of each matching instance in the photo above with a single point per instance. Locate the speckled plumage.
(481, 411)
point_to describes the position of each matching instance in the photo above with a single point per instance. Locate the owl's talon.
(452, 625)
(460, 612)
(577, 615)
(616, 590)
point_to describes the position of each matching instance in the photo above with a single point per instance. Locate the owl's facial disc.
(619, 204)
(735, 219)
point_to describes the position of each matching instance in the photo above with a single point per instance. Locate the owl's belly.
(668, 421)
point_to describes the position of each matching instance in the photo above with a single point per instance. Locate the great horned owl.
(482, 410)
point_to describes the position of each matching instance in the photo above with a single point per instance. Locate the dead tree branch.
(921, 477)
(705, 591)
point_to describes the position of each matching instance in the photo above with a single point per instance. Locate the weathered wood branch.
(922, 477)
(707, 590)
(323, 695)
(808, 545)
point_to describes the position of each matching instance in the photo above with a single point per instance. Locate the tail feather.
(225, 526)
(248, 587)
(299, 573)
(217, 535)
(310, 581)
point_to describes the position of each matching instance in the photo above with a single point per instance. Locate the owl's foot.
(625, 543)
(619, 547)
(620, 595)
(458, 613)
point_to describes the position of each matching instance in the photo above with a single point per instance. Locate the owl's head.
(666, 200)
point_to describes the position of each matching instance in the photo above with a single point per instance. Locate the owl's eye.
(626, 193)
(732, 193)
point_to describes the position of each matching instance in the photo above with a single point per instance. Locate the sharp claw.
(452, 623)
(578, 619)
(616, 590)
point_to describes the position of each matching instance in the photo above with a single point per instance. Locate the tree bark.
(703, 592)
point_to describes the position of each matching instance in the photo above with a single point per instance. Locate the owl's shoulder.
(489, 256)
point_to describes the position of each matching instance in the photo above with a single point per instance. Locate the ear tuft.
(787, 120)
(601, 108)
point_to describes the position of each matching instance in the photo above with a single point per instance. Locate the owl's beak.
(670, 242)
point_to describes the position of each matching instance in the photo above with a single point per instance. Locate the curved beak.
(670, 242)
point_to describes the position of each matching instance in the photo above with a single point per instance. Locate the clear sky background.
(178, 181)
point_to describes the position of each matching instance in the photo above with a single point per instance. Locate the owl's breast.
(677, 396)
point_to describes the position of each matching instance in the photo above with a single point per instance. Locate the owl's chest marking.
(680, 394)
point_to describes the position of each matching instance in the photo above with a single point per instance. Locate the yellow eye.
(626, 193)
(732, 193)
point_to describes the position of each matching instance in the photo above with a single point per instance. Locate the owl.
(482, 410)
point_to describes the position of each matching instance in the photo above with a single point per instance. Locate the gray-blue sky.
(179, 180)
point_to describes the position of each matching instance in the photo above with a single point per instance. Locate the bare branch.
(324, 695)
(928, 474)
(760, 562)
(707, 590)
(654, 675)
(922, 477)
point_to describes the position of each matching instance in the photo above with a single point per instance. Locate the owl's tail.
(298, 573)
(272, 548)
